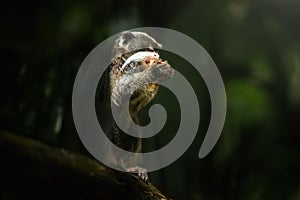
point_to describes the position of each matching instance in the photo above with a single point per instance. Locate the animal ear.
(125, 38)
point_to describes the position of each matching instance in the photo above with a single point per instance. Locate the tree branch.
(32, 170)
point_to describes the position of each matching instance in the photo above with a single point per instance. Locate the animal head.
(133, 41)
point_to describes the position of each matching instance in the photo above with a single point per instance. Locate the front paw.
(161, 71)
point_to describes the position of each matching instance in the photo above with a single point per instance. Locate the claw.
(141, 172)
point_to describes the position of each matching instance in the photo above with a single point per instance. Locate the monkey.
(134, 60)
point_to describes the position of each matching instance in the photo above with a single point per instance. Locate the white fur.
(139, 56)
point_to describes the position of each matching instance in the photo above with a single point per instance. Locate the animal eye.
(150, 49)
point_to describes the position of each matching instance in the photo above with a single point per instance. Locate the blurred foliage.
(255, 44)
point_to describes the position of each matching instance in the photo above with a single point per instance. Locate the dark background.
(255, 45)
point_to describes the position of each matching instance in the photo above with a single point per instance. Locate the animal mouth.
(151, 60)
